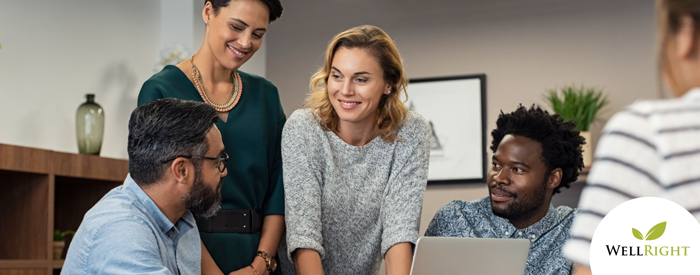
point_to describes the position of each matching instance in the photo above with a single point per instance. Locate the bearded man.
(147, 225)
(535, 155)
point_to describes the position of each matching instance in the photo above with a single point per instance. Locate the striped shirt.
(651, 149)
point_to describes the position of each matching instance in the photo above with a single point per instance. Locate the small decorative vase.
(587, 153)
(89, 126)
(58, 249)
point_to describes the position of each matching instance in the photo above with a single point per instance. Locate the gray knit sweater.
(350, 203)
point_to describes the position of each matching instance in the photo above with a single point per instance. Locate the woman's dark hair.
(163, 129)
(274, 6)
(560, 142)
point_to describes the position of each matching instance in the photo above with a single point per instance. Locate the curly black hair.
(560, 141)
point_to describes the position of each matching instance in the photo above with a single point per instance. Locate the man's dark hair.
(560, 142)
(274, 6)
(163, 129)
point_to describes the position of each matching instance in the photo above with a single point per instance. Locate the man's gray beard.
(201, 201)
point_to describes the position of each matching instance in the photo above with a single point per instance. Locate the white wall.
(176, 24)
(55, 52)
(523, 47)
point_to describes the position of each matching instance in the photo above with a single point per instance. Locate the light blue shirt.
(126, 233)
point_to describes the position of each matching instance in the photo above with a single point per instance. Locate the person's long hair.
(391, 110)
(670, 15)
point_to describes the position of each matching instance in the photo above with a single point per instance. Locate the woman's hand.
(243, 271)
(259, 265)
(209, 267)
(581, 270)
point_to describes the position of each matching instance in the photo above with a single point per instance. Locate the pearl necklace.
(235, 92)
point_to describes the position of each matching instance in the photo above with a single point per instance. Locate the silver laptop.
(470, 256)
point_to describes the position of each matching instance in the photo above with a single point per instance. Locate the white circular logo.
(646, 236)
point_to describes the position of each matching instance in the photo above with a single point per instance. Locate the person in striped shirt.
(652, 148)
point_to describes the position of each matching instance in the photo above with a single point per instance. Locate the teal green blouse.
(252, 137)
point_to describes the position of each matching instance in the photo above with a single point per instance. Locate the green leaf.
(656, 231)
(57, 237)
(67, 232)
(637, 234)
(577, 103)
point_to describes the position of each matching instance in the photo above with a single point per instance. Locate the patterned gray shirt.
(475, 219)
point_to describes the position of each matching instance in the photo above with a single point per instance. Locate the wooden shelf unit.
(44, 190)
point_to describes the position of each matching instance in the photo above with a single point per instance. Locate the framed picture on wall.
(455, 107)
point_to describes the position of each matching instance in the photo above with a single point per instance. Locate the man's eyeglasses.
(223, 160)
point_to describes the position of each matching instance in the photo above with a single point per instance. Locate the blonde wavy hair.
(391, 111)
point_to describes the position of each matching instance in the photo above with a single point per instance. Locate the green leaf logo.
(653, 234)
(637, 234)
(656, 231)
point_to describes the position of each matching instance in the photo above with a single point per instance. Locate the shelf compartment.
(74, 197)
(25, 198)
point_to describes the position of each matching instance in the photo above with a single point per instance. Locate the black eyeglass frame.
(222, 160)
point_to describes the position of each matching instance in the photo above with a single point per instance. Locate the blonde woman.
(355, 163)
(651, 149)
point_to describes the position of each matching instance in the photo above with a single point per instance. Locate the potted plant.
(582, 105)
(59, 242)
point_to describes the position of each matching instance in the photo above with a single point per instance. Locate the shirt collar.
(531, 232)
(161, 220)
(543, 225)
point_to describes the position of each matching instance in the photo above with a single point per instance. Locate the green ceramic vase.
(89, 126)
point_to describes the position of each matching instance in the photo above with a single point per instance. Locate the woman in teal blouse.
(243, 237)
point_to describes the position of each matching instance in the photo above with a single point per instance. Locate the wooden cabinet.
(42, 190)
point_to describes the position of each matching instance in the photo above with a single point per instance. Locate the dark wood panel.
(57, 264)
(23, 264)
(23, 272)
(24, 209)
(17, 158)
(89, 167)
(50, 213)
